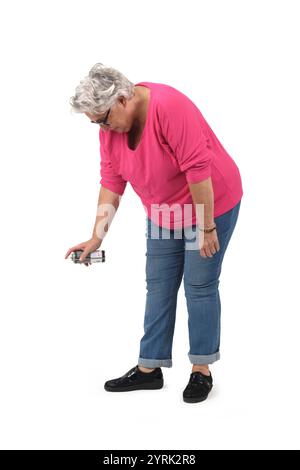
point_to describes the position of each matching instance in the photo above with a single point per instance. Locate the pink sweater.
(177, 147)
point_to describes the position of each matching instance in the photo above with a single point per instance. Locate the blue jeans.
(170, 257)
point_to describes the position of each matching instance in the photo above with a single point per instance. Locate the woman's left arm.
(202, 193)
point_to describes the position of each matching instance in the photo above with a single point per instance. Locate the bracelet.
(207, 230)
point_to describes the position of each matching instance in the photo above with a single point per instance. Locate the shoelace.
(127, 374)
(196, 378)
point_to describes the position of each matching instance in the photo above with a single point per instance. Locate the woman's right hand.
(88, 247)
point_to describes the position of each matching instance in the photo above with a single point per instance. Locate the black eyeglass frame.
(104, 121)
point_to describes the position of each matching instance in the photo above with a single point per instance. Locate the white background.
(66, 329)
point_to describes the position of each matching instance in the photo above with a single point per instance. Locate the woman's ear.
(122, 100)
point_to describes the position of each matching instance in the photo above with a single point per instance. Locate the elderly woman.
(154, 136)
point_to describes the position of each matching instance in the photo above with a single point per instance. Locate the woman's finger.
(213, 250)
(209, 253)
(83, 255)
(74, 248)
(69, 252)
(202, 253)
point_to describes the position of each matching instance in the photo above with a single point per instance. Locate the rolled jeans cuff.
(204, 359)
(154, 362)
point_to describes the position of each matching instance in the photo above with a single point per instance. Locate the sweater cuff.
(118, 188)
(196, 176)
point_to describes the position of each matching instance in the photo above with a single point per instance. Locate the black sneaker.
(198, 387)
(135, 379)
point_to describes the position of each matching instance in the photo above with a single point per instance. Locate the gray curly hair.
(99, 90)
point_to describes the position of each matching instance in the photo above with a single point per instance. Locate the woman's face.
(120, 118)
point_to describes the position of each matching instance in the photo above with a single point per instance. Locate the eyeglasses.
(104, 121)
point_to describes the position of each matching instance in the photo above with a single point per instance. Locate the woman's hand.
(87, 247)
(210, 243)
